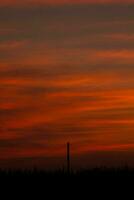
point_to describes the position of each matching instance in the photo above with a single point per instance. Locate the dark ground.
(91, 182)
(92, 176)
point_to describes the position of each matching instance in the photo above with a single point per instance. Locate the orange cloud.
(13, 45)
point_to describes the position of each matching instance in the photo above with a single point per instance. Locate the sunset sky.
(67, 74)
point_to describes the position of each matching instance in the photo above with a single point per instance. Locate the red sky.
(66, 74)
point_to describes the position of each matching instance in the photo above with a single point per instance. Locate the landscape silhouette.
(68, 173)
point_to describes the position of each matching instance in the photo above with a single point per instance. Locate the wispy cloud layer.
(66, 74)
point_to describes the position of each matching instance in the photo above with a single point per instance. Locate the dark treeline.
(87, 173)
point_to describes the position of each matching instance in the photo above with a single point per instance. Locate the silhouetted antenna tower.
(68, 157)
